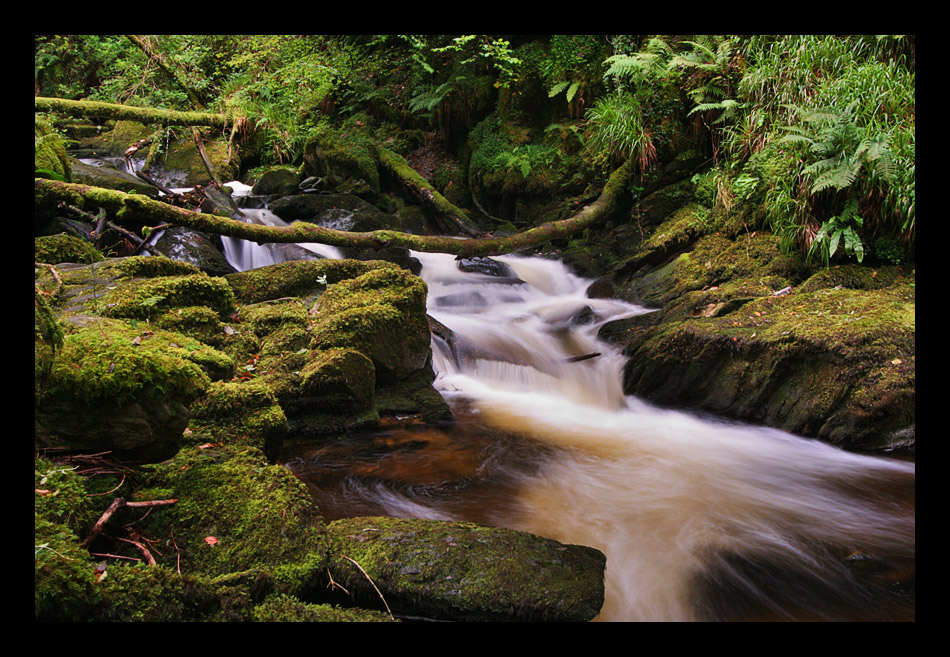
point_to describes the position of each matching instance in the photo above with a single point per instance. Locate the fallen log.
(142, 209)
(96, 109)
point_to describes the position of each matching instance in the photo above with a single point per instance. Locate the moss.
(343, 378)
(835, 363)
(463, 571)
(259, 515)
(60, 496)
(241, 413)
(54, 249)
(286, 609)
(115, 361)
(345, 155)
(49, 151)
(152, 266)
(64, 581)
(299, 278)
(380, 314)
(264, 318)
(142, 299)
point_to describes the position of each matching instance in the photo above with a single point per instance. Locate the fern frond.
(558, 88)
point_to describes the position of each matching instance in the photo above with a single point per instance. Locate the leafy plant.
(617, 129)
(839, 230)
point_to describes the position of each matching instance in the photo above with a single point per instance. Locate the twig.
(141, 548)
(113, 556)
(117, 504)
(108, 491)
(52, 270)
(373, 583)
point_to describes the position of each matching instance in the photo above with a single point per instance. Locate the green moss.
(60, 496)
(151, 266)
(342, 378)
(116, 361)
(53, 249)
(299, 278)
(49, 152)
(142, 299)
(286, 609)
(64, 582)
(243, 413)
(455, 570)
(259, 515)
(264, 318)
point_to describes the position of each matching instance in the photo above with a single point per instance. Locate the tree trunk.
(126, 206)
(95, 109)
(445, 212)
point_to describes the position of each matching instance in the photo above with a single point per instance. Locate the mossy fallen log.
(90, 108)
(51, 192)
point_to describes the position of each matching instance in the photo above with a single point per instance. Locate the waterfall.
(700, 519)
(244, 255)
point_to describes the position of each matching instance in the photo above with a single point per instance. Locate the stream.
(700, 518)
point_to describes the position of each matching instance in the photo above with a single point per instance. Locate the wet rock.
(186, 245)
(465, 572)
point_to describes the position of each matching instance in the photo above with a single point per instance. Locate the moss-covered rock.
(236, 512)
(235, 412)
(279, 181)
(287, 609)
(49, 152)
(300, 278)
(834, 363)
(53, 249)
(463, 571)
(380, 314)
(334, 155)
(127, 388)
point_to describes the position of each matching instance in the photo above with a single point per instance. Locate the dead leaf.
(206, 446)
(896, 361)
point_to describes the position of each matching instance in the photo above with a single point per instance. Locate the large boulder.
(465, 572)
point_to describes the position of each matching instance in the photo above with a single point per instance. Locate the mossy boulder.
(380, 314)
(337, 156)
(276, 181)
(462, 571)
(300, 278)
(239, 413)
(54, 249)
(236, 512)
(49, 152)
(834, 363)
(114, 386)
(181, 165)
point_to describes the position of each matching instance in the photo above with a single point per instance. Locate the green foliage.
(617, 129)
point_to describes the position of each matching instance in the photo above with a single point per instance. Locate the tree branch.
(142, 209)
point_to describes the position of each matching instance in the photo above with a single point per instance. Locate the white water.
(244, 255)
(679, 504)
(699, 519)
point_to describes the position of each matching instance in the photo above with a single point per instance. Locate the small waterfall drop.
(244, 255)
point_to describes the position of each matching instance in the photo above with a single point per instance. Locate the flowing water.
(700, 519)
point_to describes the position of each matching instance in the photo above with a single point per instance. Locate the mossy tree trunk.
(126, 206)
(447, 214)
(90, 108)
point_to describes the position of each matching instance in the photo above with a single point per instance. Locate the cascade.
(700, 519)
